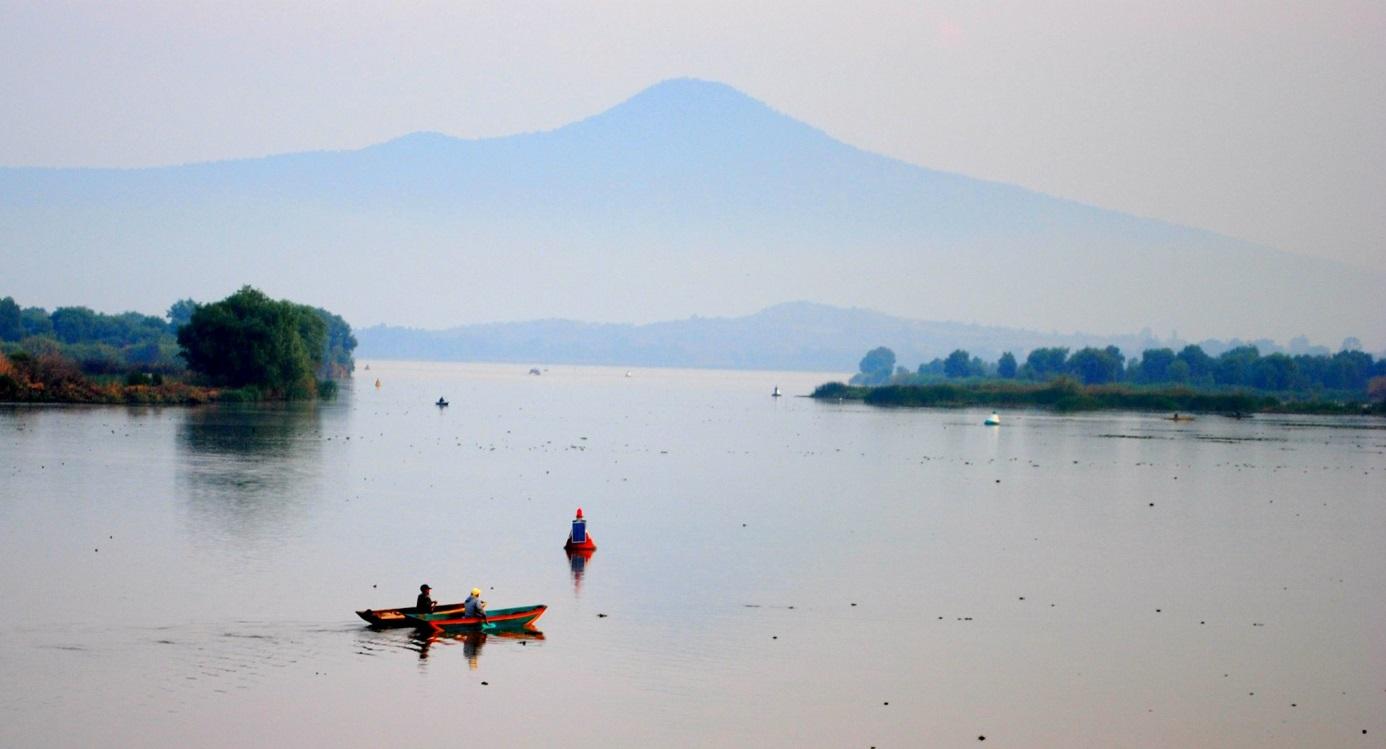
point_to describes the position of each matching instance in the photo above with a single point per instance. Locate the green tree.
(958, 364)
(877, 366)
(1274, 372)
(1234, 367)
(1005, 366)
(36, 322)
(11, 320)
(1200, 364)
(337, 360)
(1044, 363)
(180, 312)
(73, 324)
(249, 339)
(1096, 366)
(1155, 364)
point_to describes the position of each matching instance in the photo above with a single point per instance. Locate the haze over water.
(189, 575)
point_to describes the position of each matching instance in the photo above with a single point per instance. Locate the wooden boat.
(391, 618)
(519, 617)
(441, 403)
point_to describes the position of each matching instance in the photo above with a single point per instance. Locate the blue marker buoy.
(577, 537)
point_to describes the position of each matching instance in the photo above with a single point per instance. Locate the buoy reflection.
(577, 562)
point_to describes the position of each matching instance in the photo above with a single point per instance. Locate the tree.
(73, 324)
(250, 339)
(11, 320)
(1274, 372)
(1155, 364)
(1044, 363)
(336, 360)
(1235, 365)
(1200, 365)
(180, 313)
(1005, 366)
(1096, 366)
(1376, 389)
(958, 364)
(877, 366)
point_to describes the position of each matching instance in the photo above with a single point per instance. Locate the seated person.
(424, 602)
(474, 607)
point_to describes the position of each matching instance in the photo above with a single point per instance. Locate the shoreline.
(1070, 397)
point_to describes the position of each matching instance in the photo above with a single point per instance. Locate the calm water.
(772, 572)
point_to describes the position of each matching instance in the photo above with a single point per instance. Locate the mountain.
(688, 198)
(794, 336)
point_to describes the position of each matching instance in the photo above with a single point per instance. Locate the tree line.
(1348, 371)
(249, 342)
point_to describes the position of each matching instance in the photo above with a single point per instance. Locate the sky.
(1261, 120)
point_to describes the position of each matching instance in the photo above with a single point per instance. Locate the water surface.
(776, 572)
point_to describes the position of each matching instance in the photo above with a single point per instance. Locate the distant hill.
(794, 336)
(688, 198)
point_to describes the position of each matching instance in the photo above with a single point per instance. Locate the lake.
(769, 572)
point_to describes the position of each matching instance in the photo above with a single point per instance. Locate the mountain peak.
(683, 104)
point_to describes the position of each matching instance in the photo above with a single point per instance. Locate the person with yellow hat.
(474, 607)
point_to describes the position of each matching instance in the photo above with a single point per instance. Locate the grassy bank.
(1069, 396)
(52, 378)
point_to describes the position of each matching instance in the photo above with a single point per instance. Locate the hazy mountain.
(690, 198)
(795, 336)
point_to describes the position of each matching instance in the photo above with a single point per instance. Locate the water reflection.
(242, 468)
(472, 642)
(577, 563)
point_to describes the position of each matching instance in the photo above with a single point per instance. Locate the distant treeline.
(1348, 374)
(246, 346)
(1066, 394)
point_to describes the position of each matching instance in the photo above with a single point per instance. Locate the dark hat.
(424, 587)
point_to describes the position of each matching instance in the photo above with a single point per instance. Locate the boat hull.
(520, 617)
(396, 618)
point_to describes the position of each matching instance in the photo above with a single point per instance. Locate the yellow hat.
(476, 591)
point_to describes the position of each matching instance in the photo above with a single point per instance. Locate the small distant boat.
(993, 421)
(396, 618)
(777, 392)
(441, 403)
(534, 371)
(628, 373)
(519, 617)
(1179, 417)
(377, 383)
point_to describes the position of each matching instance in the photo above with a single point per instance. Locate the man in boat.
(474, 607)
(424, 602)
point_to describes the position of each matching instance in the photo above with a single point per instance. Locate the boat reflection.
(577, 563)
(472, 642)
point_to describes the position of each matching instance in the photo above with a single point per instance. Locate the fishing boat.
(993, 421)
(519, 617)
(776, 392)
(392, 618)
(441, 403)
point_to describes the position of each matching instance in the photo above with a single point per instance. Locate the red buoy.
(578, 539)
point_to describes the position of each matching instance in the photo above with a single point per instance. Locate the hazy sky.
(1263, 120)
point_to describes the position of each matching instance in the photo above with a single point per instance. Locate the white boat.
(993, 420)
